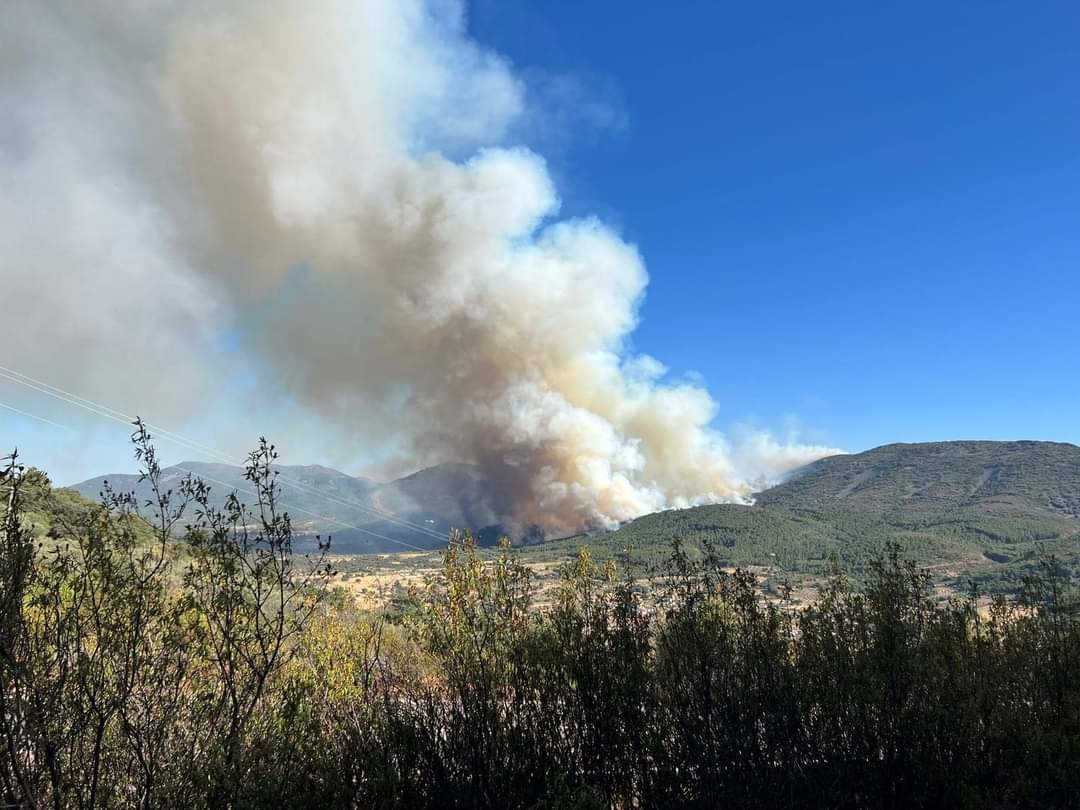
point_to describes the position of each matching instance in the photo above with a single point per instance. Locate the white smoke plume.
(332, 181)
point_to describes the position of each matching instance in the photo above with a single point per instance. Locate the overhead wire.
(102, 410)
(111, 413)
(28, 415)
(305, 511)
(176, 438)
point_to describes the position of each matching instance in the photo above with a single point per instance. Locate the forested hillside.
(988, 511)
(908, 480)
(982, 511)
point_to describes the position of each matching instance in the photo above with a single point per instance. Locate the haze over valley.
(986, 512)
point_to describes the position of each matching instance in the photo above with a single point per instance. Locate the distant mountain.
(988, 510)
(361, 515)
(985, 510)
(452, 495)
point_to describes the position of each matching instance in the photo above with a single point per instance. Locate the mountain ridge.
(414, 511)
(980, 509)
(959, 503)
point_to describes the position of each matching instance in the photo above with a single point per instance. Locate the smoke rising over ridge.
(330, 181)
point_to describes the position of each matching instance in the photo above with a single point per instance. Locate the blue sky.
(863, 215)
(859, 219)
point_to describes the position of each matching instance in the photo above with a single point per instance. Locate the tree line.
(223, 670)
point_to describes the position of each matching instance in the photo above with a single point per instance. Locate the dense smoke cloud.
(331, 181)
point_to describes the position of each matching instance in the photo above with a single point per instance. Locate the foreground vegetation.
(221, 671)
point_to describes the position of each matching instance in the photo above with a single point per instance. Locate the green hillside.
(57, 514)
(51, 513)
(988, 511)
(992, 478)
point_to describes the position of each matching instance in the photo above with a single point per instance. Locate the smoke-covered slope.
(985, 509)
(361, 515)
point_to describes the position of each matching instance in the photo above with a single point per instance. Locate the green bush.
(219, 671)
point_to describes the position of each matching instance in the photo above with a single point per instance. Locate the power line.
(406, 524)
(184, 441)
(102, 410)
(34, 416)
(118, 416)
(307, 512)
(176, 438)
(126, 421)
(245, 491)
